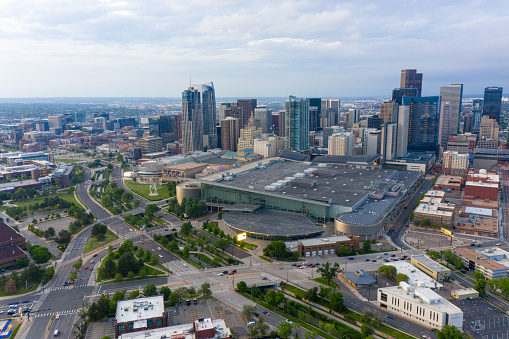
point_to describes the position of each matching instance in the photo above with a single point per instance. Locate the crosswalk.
(68, 287)
(48, 314)
(221, 291)
(186, 272)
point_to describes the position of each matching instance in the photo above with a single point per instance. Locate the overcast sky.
(57, 48)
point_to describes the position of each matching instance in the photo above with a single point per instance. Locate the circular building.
(188, 190)
(269, 225)
(367, 221)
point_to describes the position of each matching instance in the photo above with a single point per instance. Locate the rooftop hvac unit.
(322, 165)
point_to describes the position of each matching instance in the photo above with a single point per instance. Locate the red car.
(86, 267)
(91, 268)
(95, 255)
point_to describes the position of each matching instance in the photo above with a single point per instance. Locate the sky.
(152, 48)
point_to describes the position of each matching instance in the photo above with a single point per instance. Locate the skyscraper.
(315, 114)
(192, 119)
(423, 123)
(198, 114)
(399, 93)
(389, 141)
(354, 116)
(389, 111)
(230, 132)
(477, 109)
(248, 106)
(445, 122)
(222, 108)
(281, 120)
(492, 102)
(453, 95)
(297, 124)
(265, 117)
(330, 112)
(411, 79)
(402, 130)
(341, 144)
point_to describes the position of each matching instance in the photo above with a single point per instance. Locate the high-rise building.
(248, 106)
(248, 134)
(269, 147)
(315, 114)
(445, 121)
(230, 132)
(341, 144)
(102, 114)
(99, 123)
(222, 110)
(454, 163)
(372, 141)
(192, 119)
(354, 116)
(330, 112)
(411, 79)
(424, 123)
(208, 103)
(265, 117)
(399, 93)
(297, 124)
(492, 102)
(453, 95)
(151, 144)
(389, 112)
(375, 122)
(488, 128)
(403, 125)
(55, 121)
(468, 123)
(389, 141)
(165, 129)
(477, 109)
(281, 120)
(79, 116)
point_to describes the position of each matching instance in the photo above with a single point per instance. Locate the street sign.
(446, 232)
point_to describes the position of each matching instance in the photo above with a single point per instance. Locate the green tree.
(255, 291)
(109, 268)
(366, 246)
(312, 294)
(274, 298)
(149, 290)
(276, 249)
(118, 277)
(185, 252)
(426, 222)
(328, 271)
(127, 263)
(106, 201)
(143, 273)
(262, 326)
(119, 295)
(434, 255)
(480, 286)
(130, 275)
(49, 233)
(134, 294)
(221, 244)
(401, 277)
(388, 270)
(151, 209)
(336, 301)
(205, 290)
(252, 332)
(186, 228)
(165, 291)
(284, 330)
(248, 311)
(366, 330)
(242, 286)
(309, 335)
(449, 332)
(324, 292)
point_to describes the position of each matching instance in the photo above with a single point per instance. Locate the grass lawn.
(21, 291)
(69, 161)
(143, 190)
(13, 334)
(93, 243)
(64, 194)
(323, 281)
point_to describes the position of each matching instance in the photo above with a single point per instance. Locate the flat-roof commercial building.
(323, 246)
(474, 261)
(449, 182)
(180, 171)
(416, 277)
(140, 315)
(433, 208)
(420, 305)
(203, 328)
(465, 294)
(485, 227)
(431, 267)
(455, 163)
(495, 253)
(361, 197)
(358, 278)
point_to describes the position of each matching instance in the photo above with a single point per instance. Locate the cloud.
(257, 48)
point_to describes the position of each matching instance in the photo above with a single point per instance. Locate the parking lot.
(481, 320)
(58, 225)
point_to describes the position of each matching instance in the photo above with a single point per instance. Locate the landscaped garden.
(164, 191)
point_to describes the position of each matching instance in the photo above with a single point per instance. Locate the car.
(317, 264)
(477, 328)
(220, 274)
(225, 272)
(351, 258)
(257, 314)
(433, 330)
(386, 260)
(265, 278)
(386, 253)
(160, 255)
(374, 260)
(367, 259)
(479, 245)
(181, 303)
(159, 248)
(472, 244)
(265, 312)
(294, 264)
(86, 267)
(302, 267)
(11, 311)
(91, 268)
(499, 244)
(56, 333)
(472, 323)
(1, 312)
(57, 316)
(65, 283)
(91, 261)
(95, 255)
(185, 265)
(310, 264)
(389, 317)
(379, 257)
(289, 321)
(234, 271)
(393, 255)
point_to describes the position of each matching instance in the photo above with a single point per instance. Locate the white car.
(219, 274)
(289, 321)
(185, 265)
(57, 316)
(1, 312)
(159, 248)
(160, 256)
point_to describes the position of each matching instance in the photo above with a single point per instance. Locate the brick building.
(322, 246)
(140, 315)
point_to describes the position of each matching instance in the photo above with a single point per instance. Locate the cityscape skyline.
(262, 49)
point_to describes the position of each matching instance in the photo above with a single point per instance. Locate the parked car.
(257, 314)
(317, 264)
(265, 312)
(220, 274)
(294, 264)
(389, 317)
(374, 260)
(86, 267)
(289, 321)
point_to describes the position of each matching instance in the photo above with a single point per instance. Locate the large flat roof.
(322, 241)
(272, 223)
(348, 186)
(480, 260)
(442, 306)
(415, 276)
(183, 331)
(423, 259)
(139, 309)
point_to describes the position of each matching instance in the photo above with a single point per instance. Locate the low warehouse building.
(464, 294)
(323, 246)
(358, 278)
(430, 267)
